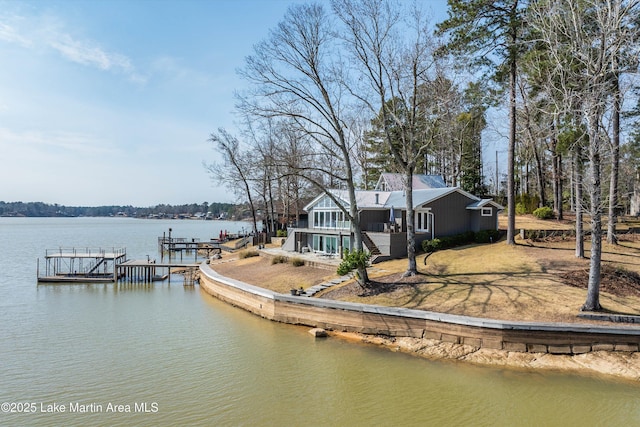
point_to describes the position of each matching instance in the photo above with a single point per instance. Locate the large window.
(326, 214)
(326, 244)
(328, 219)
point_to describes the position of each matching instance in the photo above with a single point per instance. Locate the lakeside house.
(438, 211)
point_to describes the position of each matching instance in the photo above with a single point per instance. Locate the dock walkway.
(150, 271)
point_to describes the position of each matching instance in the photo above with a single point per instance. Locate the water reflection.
(207, 363)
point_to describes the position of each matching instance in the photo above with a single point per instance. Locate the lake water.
(166, 355)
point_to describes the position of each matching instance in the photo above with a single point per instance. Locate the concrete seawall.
(479, 333)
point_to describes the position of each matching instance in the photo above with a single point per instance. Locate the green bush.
(432, 245)
(469, 236)
(281, 233)
(447, 242)
(297, 262)
(353, 260)
(484, 236)
(544, 212)
(521, 209)
(487, 236)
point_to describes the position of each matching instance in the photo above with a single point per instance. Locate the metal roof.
(395, 182)
(397, 199)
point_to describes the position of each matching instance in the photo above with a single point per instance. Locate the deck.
(97, 265)
(81, 265)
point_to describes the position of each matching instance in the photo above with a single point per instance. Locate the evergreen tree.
(491, 29)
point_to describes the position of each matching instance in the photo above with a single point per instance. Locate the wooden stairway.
(373, 249)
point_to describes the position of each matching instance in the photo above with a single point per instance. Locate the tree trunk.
(363, 276)
(412, 268)
(511, 194)
(577, 181)
(595, 195)
(560, 214)
(540, 177)
(615, 167)
(556, 167)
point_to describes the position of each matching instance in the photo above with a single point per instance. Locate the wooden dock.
(101, 266)
(150, 271)
(81, 265)
(87, 265)
(180, 246)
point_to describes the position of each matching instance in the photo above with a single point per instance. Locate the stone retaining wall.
(554, 338)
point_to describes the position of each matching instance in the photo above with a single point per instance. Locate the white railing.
(84, 252)
(339, 225)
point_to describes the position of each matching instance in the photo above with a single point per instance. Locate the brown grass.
(496, 281)
(279, 277)
(522, 282)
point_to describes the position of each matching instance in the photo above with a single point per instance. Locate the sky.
(112, 102)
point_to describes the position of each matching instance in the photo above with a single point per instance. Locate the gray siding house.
(440, 211)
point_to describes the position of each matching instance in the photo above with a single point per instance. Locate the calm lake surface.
(167, 355)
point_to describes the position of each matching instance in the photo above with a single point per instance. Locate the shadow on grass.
(455, 293)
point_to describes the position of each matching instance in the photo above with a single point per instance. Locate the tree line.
(40, 209)
(342, 91)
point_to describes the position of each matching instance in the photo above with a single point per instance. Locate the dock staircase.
(91, 270)
(373, 249)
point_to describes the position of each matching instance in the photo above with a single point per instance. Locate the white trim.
(427, 218)
(328, 219)
(484, 211)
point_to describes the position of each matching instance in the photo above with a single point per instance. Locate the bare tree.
(235, 170)
(394, 66)
(584, 38)
(297, 74)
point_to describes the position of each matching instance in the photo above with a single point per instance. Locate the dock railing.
(85, 252)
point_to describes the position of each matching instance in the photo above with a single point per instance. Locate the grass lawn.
(528, 281)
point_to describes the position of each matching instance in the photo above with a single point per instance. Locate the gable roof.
(374, 200)
(483, 203)
(395, 182)
(397, 199)
(365, 199)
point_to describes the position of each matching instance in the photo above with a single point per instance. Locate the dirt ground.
(532, 281)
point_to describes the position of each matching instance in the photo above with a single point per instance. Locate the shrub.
(281, 233)
(482, 237)
(487, 236)
(462, 239)
(248, 253)
(446, 242)
(432, 245)
(279, 259)
(544, 212)
(297, 262)
(354, 260)
(469, 236)
(521, 209)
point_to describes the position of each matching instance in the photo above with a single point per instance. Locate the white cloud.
(87, 53)
(60, 142)
(9, 34)
(47, 32)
